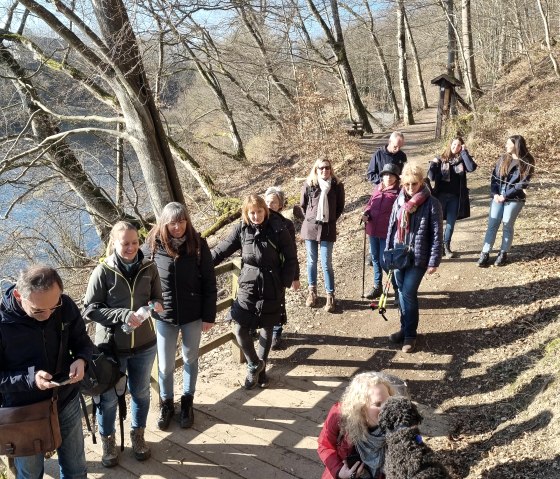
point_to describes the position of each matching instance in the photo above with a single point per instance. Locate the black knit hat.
(391, 169)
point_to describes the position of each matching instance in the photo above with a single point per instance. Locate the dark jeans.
(408, 281)
(246, 343)
(450, 209)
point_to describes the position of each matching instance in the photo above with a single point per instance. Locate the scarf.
(372, 451)
(323, 206)
(176, 243)
(406, 209)
(457, 165)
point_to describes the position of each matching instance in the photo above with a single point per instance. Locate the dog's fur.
(407, 456)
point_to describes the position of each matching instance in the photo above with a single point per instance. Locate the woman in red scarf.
(416, 220)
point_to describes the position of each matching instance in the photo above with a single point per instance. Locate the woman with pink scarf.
(416, 220)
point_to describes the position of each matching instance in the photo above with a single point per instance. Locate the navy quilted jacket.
(427, 232)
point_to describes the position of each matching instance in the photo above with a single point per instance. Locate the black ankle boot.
(167, 409)
(483, 260)
(501, 260)
(187, 414)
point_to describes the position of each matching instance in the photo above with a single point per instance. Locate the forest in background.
(113, 108)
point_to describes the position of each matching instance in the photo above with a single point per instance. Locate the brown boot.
(311, 297)
(139, 446)
(330, 306)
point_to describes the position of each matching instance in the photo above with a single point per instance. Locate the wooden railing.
(232, 267)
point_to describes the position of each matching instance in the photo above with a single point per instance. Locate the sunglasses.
(410, 185)
(33, 310)
(324, 168)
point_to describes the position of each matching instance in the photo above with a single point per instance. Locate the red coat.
(333, 448)
(379, 208)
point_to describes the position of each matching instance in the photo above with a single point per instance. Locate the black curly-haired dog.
(407, 456)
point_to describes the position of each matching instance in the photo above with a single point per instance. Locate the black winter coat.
(379, 159)
(468, 165)
(188, 284)
(269, 264)
(28, 346)
(513, 184)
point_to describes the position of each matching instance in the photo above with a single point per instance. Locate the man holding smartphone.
(34, 316)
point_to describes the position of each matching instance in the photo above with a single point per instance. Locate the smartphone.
(60, 379)
(352, 459)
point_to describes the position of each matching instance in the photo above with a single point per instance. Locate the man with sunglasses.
(34, 316)
(390, 153)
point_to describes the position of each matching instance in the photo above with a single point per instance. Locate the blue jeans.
(450, 209)
(138, 366)
(376, 248)
(408, 281)
(506, 212)
(167, 347)
(71, 455)
(312, 248)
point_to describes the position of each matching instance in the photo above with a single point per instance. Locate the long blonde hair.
(312, 178)
(354, 402)
(117, 228)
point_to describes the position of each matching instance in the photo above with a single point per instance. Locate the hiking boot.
(447, 250)
(409, 345)
(397, 337)
(483, 260)
(501, 260)
(166, 411)
(276, 343)
(330, 306)
(110, 457)
(187, 413)
(375, 292)
(139, 446)
(253, 371)
(311, 297)
(262, 380)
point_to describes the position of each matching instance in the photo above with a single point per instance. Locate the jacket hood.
(11, 310)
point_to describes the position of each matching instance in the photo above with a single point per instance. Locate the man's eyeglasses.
(33, 310)
(324, 168)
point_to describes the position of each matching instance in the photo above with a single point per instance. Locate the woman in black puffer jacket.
(188, 284)
(269, 265)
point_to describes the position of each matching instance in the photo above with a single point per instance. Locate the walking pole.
(364, 263)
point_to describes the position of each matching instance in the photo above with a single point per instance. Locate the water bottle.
(142, 314)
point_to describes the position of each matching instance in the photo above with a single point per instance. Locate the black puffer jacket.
(269, 265)
(28, 346)
(188, 284)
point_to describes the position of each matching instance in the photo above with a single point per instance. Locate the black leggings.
(246, 342)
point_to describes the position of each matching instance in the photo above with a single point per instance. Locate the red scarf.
(407, 208)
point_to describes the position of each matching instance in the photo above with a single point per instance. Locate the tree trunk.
(468, 45)
(417, 66)
(358, 111)
(451, 41)
(547, 38)
(403, 73)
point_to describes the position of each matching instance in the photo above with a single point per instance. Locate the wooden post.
(439, 112)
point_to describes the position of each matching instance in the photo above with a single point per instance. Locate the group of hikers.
(172, 276)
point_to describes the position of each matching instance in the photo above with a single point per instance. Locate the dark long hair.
(526, 160)
(173, 212)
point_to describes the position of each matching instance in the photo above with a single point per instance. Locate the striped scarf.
(407, 207)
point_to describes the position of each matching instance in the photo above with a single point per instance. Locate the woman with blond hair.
(188, 282)
(269, 265)
(415, 223)
(350, 443)
(510, 179)
(322, 201)
(118, 287)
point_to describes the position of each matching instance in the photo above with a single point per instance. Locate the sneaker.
(483, 260)
(253, 371)
(501, 260)
(397, 337)
(166, 411)
(375, 292)
(110, 457)
(262, 380)
(409, 345)
(276, 343)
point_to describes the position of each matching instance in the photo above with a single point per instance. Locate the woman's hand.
(432, 269)
(207, 326)
(347, 473)
(364, 218)
(295, 284)
(435, 160)
(158, 308)
(499, 198)
(133, 321)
